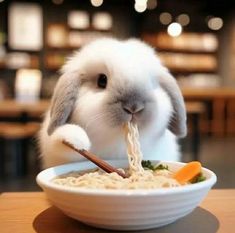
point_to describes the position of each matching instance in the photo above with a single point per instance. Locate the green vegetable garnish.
(148, 165)
(161, 167)
(198, 178)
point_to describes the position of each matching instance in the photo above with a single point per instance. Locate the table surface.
(26, 212)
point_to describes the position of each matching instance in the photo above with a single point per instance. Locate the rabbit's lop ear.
(63, 100)
(178, 122)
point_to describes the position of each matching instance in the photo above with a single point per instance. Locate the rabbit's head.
(110, 82)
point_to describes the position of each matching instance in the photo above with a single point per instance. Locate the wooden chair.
(14, 142)
(195, 110)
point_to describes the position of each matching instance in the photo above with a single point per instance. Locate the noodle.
(133, 148)
(139, 177)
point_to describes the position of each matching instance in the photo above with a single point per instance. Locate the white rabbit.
(107, 83)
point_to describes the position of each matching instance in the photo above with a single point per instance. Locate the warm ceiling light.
(140, 6)
(165, 18)
(174, 29)
(96, 3)
(78, 19)
(215, 23)
(141, 2)
(183, 19)
(151, 4)
(102, 21)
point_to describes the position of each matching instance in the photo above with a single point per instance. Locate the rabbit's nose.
(133, 108)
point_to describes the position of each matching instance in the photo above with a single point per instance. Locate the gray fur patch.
(178, 120)
(63, 100)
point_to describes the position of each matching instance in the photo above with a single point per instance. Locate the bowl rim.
(47, 184)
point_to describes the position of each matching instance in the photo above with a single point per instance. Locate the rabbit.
(103, 85)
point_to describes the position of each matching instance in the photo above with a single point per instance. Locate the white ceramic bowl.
(124, 209)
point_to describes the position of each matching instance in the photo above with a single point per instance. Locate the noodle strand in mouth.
(139, 177)
(133, 148)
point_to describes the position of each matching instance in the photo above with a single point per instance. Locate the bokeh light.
(151, 4)
(140, 5)
(183, 19)
(215, 23)
(96, 3)
(174, 29)
(165, 18)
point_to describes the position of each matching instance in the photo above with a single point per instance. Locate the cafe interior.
(194, 39)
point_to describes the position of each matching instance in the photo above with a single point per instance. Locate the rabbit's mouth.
(140, 113)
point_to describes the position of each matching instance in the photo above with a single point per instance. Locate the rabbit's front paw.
(72, 134)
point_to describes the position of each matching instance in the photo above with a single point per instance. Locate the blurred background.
(194, 39)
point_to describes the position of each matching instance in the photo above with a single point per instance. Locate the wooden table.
(29, 212)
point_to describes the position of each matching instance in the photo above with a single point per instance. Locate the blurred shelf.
(185, 51)
(60, 36)
(186, 42)
(62, 49)
(32, 63)
(13, 108)
(189, 62)
(211, 93)
(191, 57)
(55, 60)
(2, 64)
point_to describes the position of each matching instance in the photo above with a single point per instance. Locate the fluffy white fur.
(127, 63)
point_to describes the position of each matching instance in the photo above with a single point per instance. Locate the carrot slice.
(188, 172)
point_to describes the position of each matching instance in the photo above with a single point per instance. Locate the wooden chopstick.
(95, 159)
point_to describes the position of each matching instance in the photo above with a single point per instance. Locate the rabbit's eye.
(102, 81)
